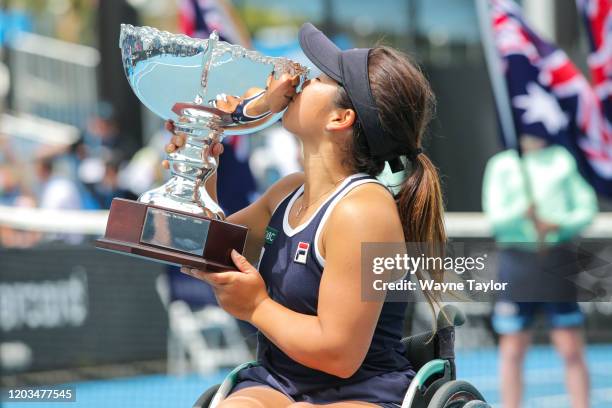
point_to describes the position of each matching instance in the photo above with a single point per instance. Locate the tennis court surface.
(543, 377)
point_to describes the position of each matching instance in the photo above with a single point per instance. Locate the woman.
(318, 341)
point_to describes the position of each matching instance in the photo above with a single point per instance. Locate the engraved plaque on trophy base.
(171, 236)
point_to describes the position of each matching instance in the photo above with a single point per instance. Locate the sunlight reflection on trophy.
(189, 81)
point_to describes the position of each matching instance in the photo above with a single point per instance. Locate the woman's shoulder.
(368, 206)
(368, 198)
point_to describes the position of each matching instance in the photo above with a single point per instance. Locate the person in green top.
(533, 223)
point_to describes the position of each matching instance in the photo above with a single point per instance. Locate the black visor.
(350, 69)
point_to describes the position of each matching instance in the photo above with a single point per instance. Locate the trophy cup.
(180, 78)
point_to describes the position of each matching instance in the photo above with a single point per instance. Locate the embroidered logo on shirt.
(271, 234)
(302, 253)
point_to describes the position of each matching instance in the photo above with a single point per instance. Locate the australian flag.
(597, 16)
(551, 98)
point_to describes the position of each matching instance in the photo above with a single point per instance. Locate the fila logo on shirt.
(302, 253)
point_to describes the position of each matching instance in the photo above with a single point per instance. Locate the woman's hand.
(279, 92)
(543, 228)
(238, 292)
(178, 140)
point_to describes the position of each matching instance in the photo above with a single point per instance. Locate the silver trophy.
(183, 79)
(179, 78)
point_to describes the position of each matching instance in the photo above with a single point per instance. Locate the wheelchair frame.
(435, 363)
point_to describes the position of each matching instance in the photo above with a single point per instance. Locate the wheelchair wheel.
(476, 404)
(455, 394)
(206, 398)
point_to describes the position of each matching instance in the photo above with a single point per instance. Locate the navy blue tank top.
(291, 266)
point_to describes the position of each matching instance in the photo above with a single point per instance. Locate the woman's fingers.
(169, 126)
(170, 148)
(178, 140)
(285, 82)
(289, 86)
(213, 278)
(176, 143)
(193, 272)
(291, 81)
(290, 93)
(217, 149)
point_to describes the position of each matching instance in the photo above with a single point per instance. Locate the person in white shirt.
(57, 193)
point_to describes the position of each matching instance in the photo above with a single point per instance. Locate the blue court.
(543, 377)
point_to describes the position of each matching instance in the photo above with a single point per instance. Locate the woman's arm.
(336, 340)
(584, 205)
(275, 98)
(504, 200)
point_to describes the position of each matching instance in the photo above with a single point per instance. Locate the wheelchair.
(434, 385)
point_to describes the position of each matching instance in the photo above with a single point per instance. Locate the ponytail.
(420, 205)
(421, 211)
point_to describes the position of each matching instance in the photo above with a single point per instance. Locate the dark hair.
(405, 105)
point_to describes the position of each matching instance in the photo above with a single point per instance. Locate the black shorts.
(537, 282)
(534, 276)
(385, 390)
(514, 317)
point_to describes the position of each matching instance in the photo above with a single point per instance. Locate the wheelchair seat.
(433, 358)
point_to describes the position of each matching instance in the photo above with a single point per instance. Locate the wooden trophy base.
(171, 236)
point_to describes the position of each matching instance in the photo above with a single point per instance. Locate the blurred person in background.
(56, 192)
(108, 186)
(9, 185)
(13, 193)
(236, 184)
(77, 158)
(142, 172)
(278, 156)
(10, 188)
(547, 210)
(100, 157)
(14, 238)
(103, 134)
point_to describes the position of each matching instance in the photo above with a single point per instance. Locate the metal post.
(413, 18)
(500, 89)
(329, 24)
(113, 86)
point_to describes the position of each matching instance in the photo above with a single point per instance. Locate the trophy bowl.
(183, 79)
